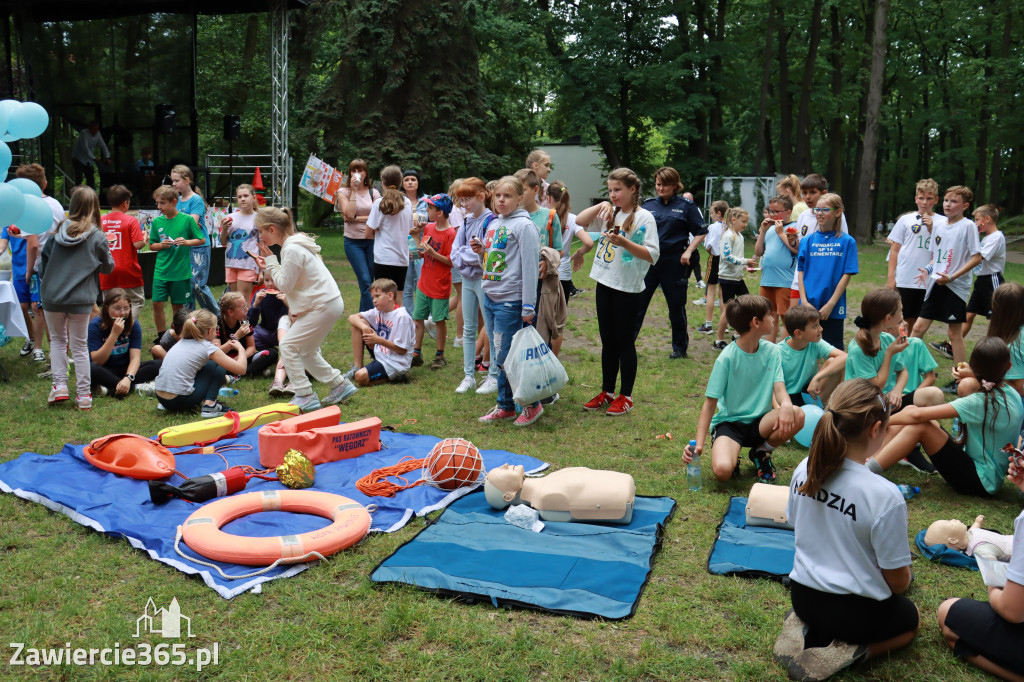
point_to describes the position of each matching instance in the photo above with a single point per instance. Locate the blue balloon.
(12, 204)
(36, 218)
(26, 186)
(812, 413)
(28, 121)
(5, 160)
(8, 110)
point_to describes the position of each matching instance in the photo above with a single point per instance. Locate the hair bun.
(861, 322)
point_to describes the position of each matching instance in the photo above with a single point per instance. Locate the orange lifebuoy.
(202, 530)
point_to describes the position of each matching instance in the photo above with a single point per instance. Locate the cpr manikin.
(572, 494)
(973, 541)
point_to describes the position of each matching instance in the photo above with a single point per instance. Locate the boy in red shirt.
(124, 234)
(435, 285)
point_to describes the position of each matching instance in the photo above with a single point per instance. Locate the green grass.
(62, 582)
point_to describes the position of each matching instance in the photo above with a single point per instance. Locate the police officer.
(681, 229)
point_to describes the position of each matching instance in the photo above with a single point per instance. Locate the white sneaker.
(701, 301)
(147, 389)
(458, 342)
(490, 385)
(702, 285)
(467, 383)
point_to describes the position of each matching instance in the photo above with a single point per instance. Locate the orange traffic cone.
(257, 184)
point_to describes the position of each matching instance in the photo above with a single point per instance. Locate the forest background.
(459, 87)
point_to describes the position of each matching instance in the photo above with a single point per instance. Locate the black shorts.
(376, 372)
(732, 288)
(695, 264)
(392, 272)
(943, 306)
(980, 302)
(798, 398)
(711, 274)
(957, 468)
(982, 631)
(912, 301)
(851, 618)
(747, 435)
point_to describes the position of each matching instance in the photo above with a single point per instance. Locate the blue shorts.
(21, 288)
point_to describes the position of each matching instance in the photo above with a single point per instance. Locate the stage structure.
(18, 81)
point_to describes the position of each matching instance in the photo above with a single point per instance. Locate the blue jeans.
(201, 294)
(503, 320)
(411, 278)
(472, 298)
(359, 253)
(204, 387)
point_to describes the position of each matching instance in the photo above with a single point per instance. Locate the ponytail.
(854, 406)
(559, 194)
(198, 324)
(876, 305)
(281, 218)
(393, 200)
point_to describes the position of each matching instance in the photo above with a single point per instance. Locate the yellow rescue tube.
(209, 430)
(202, 530)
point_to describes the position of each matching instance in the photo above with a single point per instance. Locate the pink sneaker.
(84, 402)
(529, 415)
(58, 395)
(498, 415)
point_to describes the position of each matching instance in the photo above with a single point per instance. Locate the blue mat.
(121, 507)
(943, 554)
(580, 569)
(750, 552)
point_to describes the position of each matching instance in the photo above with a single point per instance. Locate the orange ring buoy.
(202, 530)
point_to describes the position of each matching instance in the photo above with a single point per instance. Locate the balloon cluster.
(21, 200)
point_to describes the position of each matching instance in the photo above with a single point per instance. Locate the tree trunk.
(835, 128)
(874, 107)
(785, 99)
(995, 180)
(803, 120)
(763, 130)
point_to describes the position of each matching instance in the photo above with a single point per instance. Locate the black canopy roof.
(77, 10)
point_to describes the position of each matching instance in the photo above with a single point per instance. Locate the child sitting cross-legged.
(745, 378)
(388, 330)
(801, 352)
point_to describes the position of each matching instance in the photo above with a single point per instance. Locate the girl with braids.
(852, 559)
(625, 251)
(990, 417)
(390, 223)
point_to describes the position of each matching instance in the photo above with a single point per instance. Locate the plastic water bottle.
(637, 238)
(908, 490)
(227, 392)
(693, 477)
(955, 429)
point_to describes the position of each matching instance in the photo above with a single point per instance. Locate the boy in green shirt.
(743, 399)
(172, 275)
(801, 352)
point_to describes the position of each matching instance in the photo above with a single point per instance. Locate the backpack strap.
(551, 221)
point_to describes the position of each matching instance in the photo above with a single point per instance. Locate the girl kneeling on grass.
(991, 417)
(193, 369)
(115, 348)
(852, 560)
(627, 248)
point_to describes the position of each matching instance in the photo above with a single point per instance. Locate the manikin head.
(949, 532)
(502, 485)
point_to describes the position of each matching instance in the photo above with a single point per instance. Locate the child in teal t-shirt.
(801, 352)
(738, 404)
(872, 352)
(919, 366)
(990, 418)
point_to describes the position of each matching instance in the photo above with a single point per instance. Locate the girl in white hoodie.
(313, 299)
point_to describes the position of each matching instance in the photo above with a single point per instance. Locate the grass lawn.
(63, 583)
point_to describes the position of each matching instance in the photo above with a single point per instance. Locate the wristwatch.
(130, 377)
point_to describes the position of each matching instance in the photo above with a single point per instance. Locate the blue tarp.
(583, 569)
(943, 554)
(120, 506)
(750, 552)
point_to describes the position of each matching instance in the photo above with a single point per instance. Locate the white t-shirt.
(953, 244)
(181, 365)
(993, 254)
(805, 224)
(915, 242)
(398, 328)
(1015, 571)
(391, 241)
(855, 527)
(570, 231)
(610, 269)
(58, 219)
(713, 242)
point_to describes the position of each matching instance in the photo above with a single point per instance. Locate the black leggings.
(108, 377)
(616, 317)
(260, 362)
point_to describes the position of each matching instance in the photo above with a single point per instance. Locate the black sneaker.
(720, 345)
(943, 348)
(417, 359)
(576, 292)
(949, 388)
(763, 463)
(677, 354)
(917, 461)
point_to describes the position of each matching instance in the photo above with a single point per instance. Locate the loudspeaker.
(232, 127)
(165, 119)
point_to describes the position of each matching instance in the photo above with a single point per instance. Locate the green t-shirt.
(988, 433)
(860, 365)
(1016, 358)
(739, 382)
(540, 219)
(917, 361)
(174, 264)
(800, 366)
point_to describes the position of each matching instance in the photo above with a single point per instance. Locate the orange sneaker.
(599, 402)
(620, 406)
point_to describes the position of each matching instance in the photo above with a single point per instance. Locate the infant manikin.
(973, 541)
(571, 494)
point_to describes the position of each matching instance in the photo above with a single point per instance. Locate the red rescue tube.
(319, 437)
(202, 530)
